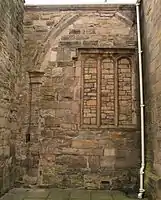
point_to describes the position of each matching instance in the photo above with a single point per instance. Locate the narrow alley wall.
(11, 39)
(151, 38)
(83, 96)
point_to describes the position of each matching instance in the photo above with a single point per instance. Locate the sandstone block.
(71, 161)
(107, 162)
(57, 72)
(91, 103)
(109, 152)
(85, 144)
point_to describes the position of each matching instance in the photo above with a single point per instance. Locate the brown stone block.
(70, 43)
(65, 64)
(85, 144)
(28, 22)
(92, 181)
(51, 176)
(106, 43)
(75, 151)
(41, 28)
(66, 126)
(34, 16)
(77, 180)
(45, 16)
(61, 113)
(130, 160)
(93, 120)
(91, 103)
(107, 161)
(47, 160)
(69, 71)
(78, 71)
(51, 62)
(51, 121)
(70, 118)
(68, 37)
(115, 135)
(47, 133)
(77, 93)
(109, 152)
(49, 104)
(71, 161)
(70, 82)
(50, 22)
(86, 120)
(74, 31)
(94, 162)
(88, 43)
(57, 72)
(122, 163)
(121, 154)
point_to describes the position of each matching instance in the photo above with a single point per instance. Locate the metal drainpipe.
(141, 189)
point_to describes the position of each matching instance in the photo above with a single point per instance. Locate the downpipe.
(141, 189)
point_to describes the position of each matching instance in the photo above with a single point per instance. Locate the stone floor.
(60, 194)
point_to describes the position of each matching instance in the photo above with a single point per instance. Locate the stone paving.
(60, 194)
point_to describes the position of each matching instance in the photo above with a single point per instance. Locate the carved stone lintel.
(36, 77)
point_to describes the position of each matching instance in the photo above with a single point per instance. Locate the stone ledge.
(87, 7)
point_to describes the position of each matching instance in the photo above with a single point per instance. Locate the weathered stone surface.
(72, 161)
(151, 23)
(63, 194)
(72, 121)
(11, 73)
(80, 102)
(85, 144)
(109, 152)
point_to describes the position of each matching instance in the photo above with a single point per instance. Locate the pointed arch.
(124, 18)
(42, 50)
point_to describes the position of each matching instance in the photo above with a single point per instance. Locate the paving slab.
(63, 194)
(37, 194)
(101, 195)
(15, 194)
(80, 195)
(120, 196)
(34, 199)
(59, 194)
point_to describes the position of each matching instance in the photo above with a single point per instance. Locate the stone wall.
(152, 78)
(83, 120)
(11, 38)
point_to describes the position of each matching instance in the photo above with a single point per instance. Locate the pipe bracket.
(140, 52)
(138, 3)
(141, 190)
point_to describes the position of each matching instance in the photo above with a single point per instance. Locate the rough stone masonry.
(151, 22)
(11, 38)
(69, 108)
(82, 127)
